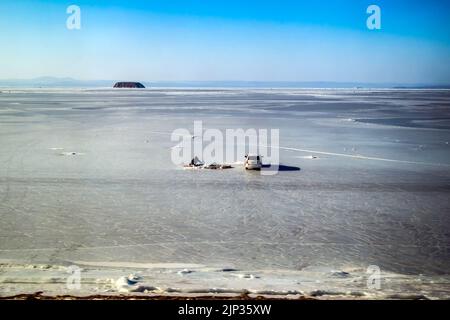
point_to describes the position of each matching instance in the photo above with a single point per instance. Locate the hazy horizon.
(49, 82)
(291, 41)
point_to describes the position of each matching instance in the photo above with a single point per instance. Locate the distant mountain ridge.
(54, 82)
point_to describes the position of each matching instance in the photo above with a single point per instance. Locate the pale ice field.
(86, 178)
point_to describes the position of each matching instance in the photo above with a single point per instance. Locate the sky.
(226, 40)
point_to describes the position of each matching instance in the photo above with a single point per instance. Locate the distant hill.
(128, 85)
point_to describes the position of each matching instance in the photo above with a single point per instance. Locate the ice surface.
(378, 193)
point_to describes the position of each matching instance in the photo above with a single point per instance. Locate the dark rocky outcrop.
(128, 85)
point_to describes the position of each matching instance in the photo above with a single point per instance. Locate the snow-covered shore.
(178, 280)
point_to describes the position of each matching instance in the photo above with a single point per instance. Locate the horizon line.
(309, 82)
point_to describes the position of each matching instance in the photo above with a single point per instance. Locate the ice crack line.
(359, 156)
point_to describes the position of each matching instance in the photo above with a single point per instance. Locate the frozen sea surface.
(86, 175)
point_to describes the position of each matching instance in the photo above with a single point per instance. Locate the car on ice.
(253, 162)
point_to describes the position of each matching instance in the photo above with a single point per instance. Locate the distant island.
(128, 85)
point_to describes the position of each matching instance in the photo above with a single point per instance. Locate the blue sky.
(227, 40)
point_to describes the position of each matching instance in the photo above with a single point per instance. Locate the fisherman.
(195, 162)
